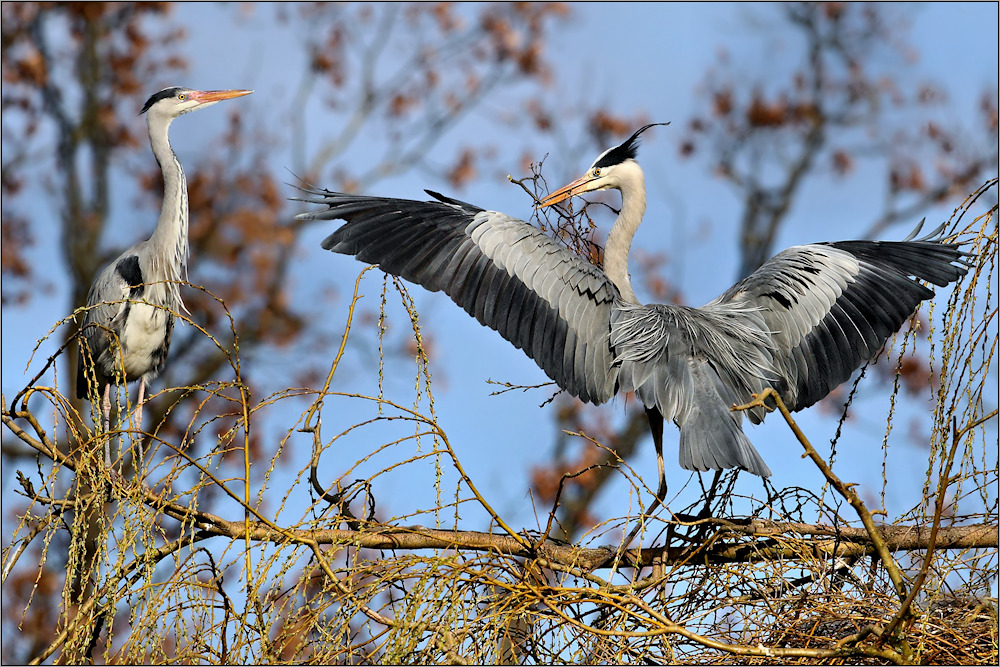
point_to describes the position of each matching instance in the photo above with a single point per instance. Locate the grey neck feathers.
(616, 251)
(169, 243)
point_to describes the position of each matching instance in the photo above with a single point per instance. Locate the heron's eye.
(596, 172)
(181, 96)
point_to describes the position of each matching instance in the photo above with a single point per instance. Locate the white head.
(614, 168)
(172, 102)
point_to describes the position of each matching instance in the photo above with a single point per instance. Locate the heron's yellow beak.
(577, 187)
(204, 96)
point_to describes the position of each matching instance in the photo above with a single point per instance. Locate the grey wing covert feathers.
(504, 272)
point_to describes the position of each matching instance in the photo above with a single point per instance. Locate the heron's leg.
(138, 402)
(656, 428)
(106, 423)
(706, 511)
(714, 488)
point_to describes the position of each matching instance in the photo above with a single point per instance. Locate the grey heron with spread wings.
(131, 306)
(802, 323)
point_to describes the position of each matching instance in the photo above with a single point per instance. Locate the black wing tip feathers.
(328, 243)
(938, 237)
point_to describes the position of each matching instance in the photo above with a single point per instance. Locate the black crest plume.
(627, 149)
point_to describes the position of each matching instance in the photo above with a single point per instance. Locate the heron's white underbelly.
(145, 331)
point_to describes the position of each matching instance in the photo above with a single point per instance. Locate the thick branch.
(826, 542)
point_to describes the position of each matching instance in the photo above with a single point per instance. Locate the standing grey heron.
(131, 306)
(802, 323)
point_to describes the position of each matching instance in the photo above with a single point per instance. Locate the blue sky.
(631, 57)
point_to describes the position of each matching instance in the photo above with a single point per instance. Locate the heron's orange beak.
(577, 187)
(204, 96)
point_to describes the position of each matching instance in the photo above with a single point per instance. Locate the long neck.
(616, 251)
(169, 242)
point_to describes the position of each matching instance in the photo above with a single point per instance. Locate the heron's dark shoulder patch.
(130, 271)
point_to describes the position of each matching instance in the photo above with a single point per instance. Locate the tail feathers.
(712, 440)
(711, 435)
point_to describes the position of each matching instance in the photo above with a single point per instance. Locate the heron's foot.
(703, 514)
(760, 401)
